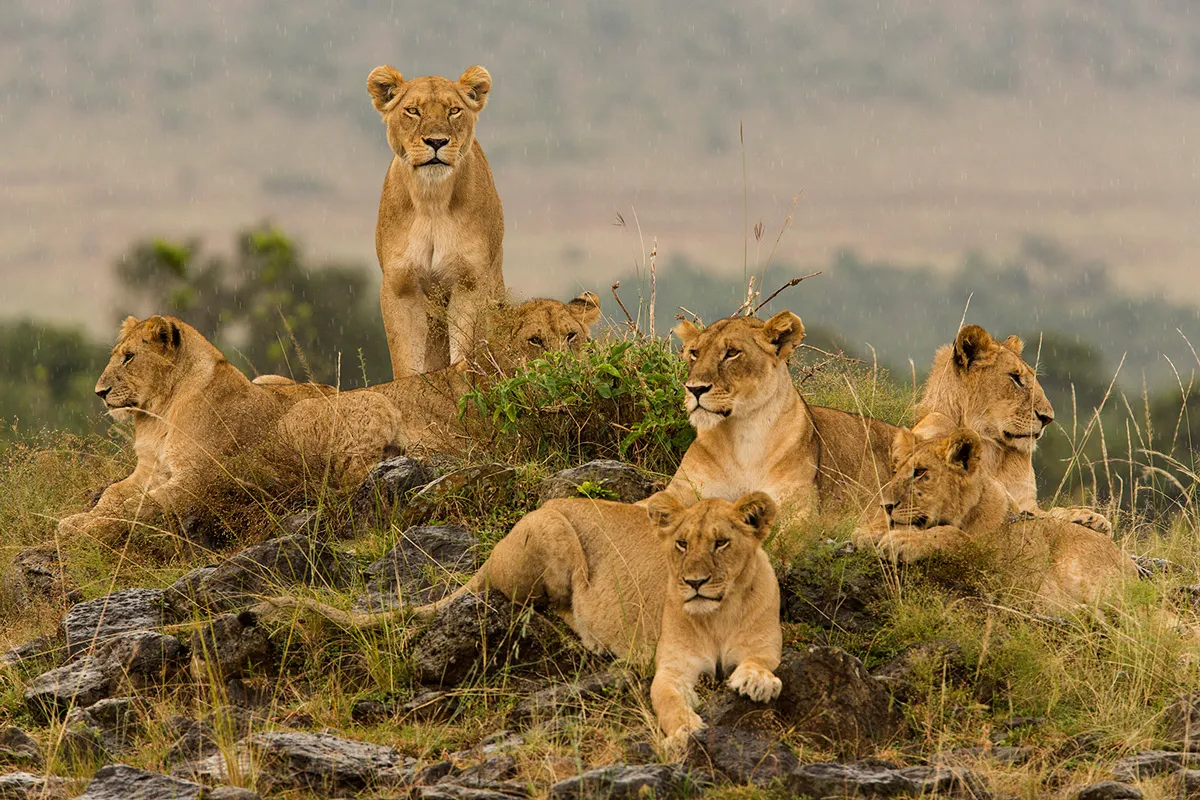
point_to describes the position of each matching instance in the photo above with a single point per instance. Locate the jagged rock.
(620, 781)
(415, 569)
(266, 569)
(19, 748)
(615, 480)
(37, 573)
(1189, 782)
(388, 484)
(24, 786)
(493, 480)
(81, 744)
(33, 650)
(1013, 756)
(230, 646)
(433, 773)
(230, 793)
(195, 739)
(740, 756)
(137, 659)
(557, 698)
(827, 695)
(1181, 722)
(493, 769)
(184, 595)
(99, 620)
(112, 721)
(431, 705)
(1148, 567)
(452, 790)
(119, 782)
(874, 780)
(459, 636)
(365, 711)
(833, 588)
(1149, 763)
(318, 762)
(1109, 790)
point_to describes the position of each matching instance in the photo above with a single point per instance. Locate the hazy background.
(1041, 155)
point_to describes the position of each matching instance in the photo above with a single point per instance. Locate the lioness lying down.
(200, 426)
(690, 585)
(941, 500)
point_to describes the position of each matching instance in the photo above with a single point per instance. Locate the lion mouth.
(921, 521)
(720, 413)
(709, 598)
(1034, 436)
(433, 162)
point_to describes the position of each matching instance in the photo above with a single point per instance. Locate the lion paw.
(675, 745)
(76, 523)
(760, 685)
(1083, 516)
(904, 546)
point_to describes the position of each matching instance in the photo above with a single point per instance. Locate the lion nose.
(1045, 419)
(103, 391)
(888, 507)
(435, 143)
(695, 583)
(699, 390)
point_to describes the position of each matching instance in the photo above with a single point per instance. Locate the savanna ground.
(1079, 692)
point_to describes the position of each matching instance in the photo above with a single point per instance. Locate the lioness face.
(709, 544)
(734, 365)
(934, 481)
(430, 120)
(540, 326)
(1004, 401)
(140, 365)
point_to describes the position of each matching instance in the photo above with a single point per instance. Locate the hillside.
(913, 134)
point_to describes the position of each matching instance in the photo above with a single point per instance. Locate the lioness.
(721, 612)
(984, 384)
(942, 500)
(440, 227)
(755, 431)
(200, 424)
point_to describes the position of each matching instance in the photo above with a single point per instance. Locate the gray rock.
(614, 479)
(430, 705)
(37, 573)
(195, 739)
(1181, 722)
(186, 594)
(43, 647)
(873, 780)
(365, 711)
(451, 649)
(827, 695)
(740, 756)
(24, 786)
(1109, 790)
(1189, 782)
(230, 793)
(119, 782)
(559, 698)
(491, 480)
(81, 745)
(318, 762)
(95, 621)
(134, 659)
(230, 646)
(110, 724)
(1149, 763)
(387, 485)
(452, 790)
(19, 748)
(416, 569)
(1013, 756)
(268, 569)
(493, 769)
(621, 781)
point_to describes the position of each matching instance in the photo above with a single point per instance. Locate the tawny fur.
(441, 229)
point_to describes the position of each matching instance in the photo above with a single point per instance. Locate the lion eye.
(127, 359)
(690, 355)
(681, 545)
(1017, 379)
(571, 336)
(919, 473)
(454, 112)
(720, 544)
(536, 341)
(732, 353)
(413, 111)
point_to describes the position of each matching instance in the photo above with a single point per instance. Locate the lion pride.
(440, 230)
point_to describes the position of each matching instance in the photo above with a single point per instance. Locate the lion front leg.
(465, 312)
(673, 696)
(405, 310)
(756, 681)
(872, 526)
(914, 544)
(1086, 517)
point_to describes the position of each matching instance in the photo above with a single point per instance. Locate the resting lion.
(200, 425)
(440, 228)
(942, 500)
(984, 384)
(754, 431)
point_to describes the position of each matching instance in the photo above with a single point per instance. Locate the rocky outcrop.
(602, 479)
(626, 782)
(388, 485)
(417, 569)
(230, 646)
(97, 621)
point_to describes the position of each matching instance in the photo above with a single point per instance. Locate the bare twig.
(787, 223)
(787, 285)
(695, 317)
(838, 355)
(628, 319)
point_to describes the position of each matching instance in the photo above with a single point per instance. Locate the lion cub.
(721, 609)
(941, 500)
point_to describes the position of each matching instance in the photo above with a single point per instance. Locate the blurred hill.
(914, 131)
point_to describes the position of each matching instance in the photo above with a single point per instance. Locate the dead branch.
(628, 319)
(787, 285)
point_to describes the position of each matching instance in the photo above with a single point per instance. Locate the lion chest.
(439, 247)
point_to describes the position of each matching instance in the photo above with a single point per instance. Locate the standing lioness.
(440, 226)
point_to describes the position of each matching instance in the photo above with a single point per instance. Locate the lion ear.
(782, 333)
(903, 444)
(586, 308)
(664, 509)
(1014, 343)
(757, 510)
(127, 327)
(970, 342)
(477, 82)
(383, 84)
(164, 332)
(686, 331)
(962, 450)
